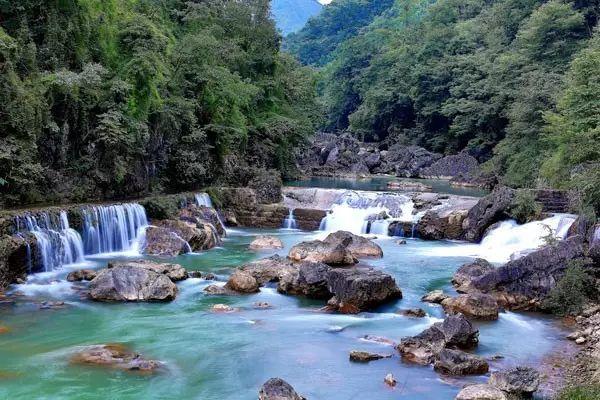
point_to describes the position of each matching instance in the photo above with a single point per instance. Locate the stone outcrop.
(242, 282)
(365, 356)
(308, 219)
(114, 356)
(81, 275)
(331, 253)
(489, 210)
(132, 283)
(517, 382)
(481, 392)
(459, 165)
(433, 226)
(266, 243)
(174, 237)
(524, 283)
(467, 272)
(306, 279)
(473, 305)
(174, 272)
(278, 389)
(359, 246)
(455, 332)
(360, 289)
(13, 259)
(456, 362)
(270, 269)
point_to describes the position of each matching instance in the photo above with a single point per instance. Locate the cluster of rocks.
(343, 155)
(320, 270)
(585, 367)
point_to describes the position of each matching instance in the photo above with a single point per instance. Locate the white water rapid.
(290, 222)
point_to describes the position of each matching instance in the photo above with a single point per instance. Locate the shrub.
(524, 208)
(160, 207)
(580, 393)
(572, 291)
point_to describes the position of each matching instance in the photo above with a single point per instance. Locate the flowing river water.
(220, 356)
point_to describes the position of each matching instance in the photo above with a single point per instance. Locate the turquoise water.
(379, 183)
(228, 356)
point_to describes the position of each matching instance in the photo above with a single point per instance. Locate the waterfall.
(203, 199)
(509, 241)
(290, 221)
(108, 229)
(57, 243)
(355, 211)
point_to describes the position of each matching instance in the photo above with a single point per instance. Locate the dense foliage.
(514, 82)
(580, 393)
(572, 292)
(111, 98)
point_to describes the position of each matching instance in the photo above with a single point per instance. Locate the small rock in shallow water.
(114, 356)
(210, 277)
(223, 308)
(47, 305)
(401, 241)
(379, 339)
(266, 243)
(436, 296)
(390, 380)
(481, 392)
(81, 275)
(195, 274)
(278, 389)
(242, 282)
(517, 381)
(412, 312)
(580, 340)
(365, 356)
(262, 305)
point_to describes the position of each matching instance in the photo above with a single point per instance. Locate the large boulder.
(331, 253)
(132, 283)
(455, 332)
(489, 210)
(473, 305)
(269, 269)
(467, 272)
(437, 226)
(174, 272)
(309, 219)
(278, 389)
(481, 392)
(524, 283)
(306, 279)
(406, 161)
(163, 242)
(14, 258)
(517, 382)
(114, 356)
(360, 289)
(174, 237)
(359, 246)
(202, 215)
(266, 243)
(457, 362)
(242, 282)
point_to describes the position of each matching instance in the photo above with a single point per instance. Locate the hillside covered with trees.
(112, 99)
(513, 82)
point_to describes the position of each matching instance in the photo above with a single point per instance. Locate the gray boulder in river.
(132, 283)
(278, 389)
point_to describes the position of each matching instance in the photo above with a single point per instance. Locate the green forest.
(516, 83)
(112, 99)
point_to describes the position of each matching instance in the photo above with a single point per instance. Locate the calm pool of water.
(228, 356)
(379, 183)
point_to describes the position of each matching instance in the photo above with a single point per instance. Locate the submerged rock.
(481, 392)
(278, 389)
(359, 246)
(81, 275)
(223, 308)
(390, 380)
(455, 332)
(114, 356)
(413, 312)
(360, 289)
(265, 243)
(456, 362)
(474, 305)
(365, 356)
(132, 283)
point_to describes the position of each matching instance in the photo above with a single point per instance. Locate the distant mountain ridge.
(291, 15)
